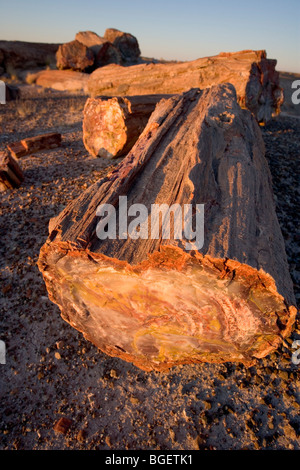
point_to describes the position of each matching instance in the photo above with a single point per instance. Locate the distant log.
(11, 175)
(160, 299)
(34, 144)
(111, 126)
(62, 80)
(252, 74)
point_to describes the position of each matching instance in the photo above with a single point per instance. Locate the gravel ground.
(52, 372)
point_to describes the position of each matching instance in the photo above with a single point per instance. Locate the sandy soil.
(51, 371)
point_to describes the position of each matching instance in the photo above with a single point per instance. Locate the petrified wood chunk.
(126, 43)
(253, 75)
(11, 175)
(74, 56)
(111, 126)
(160, 299)
(34, 144)
(107, 54)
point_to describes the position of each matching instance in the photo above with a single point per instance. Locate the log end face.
(171, 309)
(104, 129)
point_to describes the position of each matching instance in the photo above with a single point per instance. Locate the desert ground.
(52, 372)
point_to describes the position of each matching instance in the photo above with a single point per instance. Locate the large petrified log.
(252, 74)
(157, 298)
(111, 126)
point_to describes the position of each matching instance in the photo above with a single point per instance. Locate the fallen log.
(11, 175)
(252, 74)
(34, 144)
(62, 80)
(159, 298)
(111, 126)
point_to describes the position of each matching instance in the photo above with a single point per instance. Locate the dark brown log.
(34, 144)
(168, 300)
(111, 126)
(253, 75)
(11, 175)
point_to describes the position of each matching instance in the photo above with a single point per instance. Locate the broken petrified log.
(253, 75)
(11, 175)
(34, 144)
(111, 126)
(159, 299)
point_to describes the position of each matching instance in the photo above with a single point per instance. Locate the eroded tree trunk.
(155, 301)
(252, 74)
(111, 126)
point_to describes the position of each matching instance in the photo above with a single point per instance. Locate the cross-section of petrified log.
(111, 126)
(34, 144)
(159, 299)
(252, 74)
(11, 175)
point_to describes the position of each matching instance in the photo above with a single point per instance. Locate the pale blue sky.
(181, 30)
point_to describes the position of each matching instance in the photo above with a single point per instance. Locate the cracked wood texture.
(154, 302)
(252, 74)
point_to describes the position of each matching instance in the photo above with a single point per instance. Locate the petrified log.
(252, 74)
(62, 80)
(34, 144)
(75, 56)
(111, 126)
(159, 299)
(11, 175)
